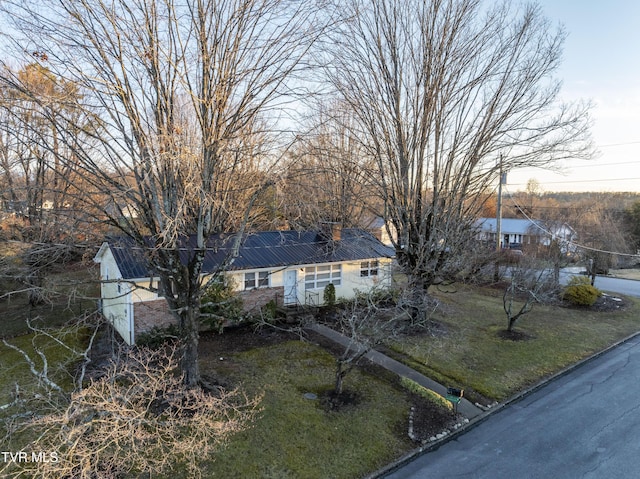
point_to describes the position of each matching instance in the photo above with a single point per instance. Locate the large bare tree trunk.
(190, 336)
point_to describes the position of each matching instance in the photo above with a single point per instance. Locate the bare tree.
(532, 195)
(632, 222)
(181, 91)
(369, 320)
(327, 177)
(445, 95)
(528, 284)
(601, 232)
(36, 184)
(352, 322)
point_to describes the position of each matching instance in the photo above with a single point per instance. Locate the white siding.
(116, 296)
(140, 291)
(350, 280)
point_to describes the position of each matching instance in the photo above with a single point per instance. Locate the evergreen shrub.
(580, 292)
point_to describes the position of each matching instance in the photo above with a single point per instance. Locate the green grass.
(472, 354)
(72, 293)
(296, 437)
(292, 436)
(15, 370)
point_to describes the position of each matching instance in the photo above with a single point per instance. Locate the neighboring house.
(120, 210)
(520, 232)
(289, 267)
(385, 232)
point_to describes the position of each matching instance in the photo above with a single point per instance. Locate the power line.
(611, 145)
(579, 181)
(597, 165)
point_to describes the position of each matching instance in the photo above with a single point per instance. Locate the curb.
(414, 454)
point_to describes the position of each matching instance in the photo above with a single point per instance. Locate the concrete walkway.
(466, 408)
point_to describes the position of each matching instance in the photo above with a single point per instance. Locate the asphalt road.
(585, 425)
(628, 287)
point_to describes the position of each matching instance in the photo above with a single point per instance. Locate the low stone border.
(438, 436)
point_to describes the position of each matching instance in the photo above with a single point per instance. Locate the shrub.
(157, 337)
(379, 295)
(221, 306)
(270, 310)
(412, 386)
(329, 295)
(580, 292)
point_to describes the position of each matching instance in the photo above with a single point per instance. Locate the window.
(368, 268)
(316, 277)
(256, 280)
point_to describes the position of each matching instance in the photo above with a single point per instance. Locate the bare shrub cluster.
(138, 417)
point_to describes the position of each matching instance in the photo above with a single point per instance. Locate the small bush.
(580, 292)
(270, 310)
(220, 305)
(157, 337)
(415, 388)
(379, 296)
(329, 295)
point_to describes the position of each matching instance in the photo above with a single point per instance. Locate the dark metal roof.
(264, 249)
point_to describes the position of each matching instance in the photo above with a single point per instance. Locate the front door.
(290, 288)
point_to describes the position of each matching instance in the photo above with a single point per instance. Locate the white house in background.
(382, 230)
(517, 231)
(289, 267)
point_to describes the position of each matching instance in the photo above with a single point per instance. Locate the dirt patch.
(514, 335)
(607, 303)
(239, 339)
(429, 420)
(104, 348)
(332, 401)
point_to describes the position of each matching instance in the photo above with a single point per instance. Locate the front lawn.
(467, 351)
(298, 437)
(14, 370)
(70, 294)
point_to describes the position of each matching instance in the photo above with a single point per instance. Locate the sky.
(601, 63)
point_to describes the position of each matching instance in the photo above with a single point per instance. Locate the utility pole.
(503, 181)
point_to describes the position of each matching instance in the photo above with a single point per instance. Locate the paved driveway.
(583, 425)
